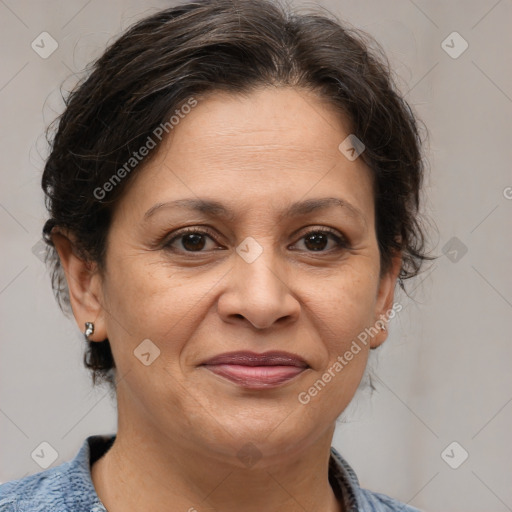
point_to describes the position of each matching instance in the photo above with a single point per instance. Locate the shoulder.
(377, 502)
(64, 488)
(356, 498)
(35, 493)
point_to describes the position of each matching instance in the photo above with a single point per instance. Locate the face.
(287, 260)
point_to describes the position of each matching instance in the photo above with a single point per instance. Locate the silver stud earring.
(383, 328)
(89, 329)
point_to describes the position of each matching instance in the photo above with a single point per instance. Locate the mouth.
(257, 371)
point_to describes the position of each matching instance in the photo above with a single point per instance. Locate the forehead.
(268, 145)
(278, 120)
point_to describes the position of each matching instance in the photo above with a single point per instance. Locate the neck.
(146, 472)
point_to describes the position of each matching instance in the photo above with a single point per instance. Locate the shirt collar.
(77, 475)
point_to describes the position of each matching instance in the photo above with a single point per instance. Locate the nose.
(259, 292)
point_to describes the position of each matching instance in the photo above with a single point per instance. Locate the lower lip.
(256, 377)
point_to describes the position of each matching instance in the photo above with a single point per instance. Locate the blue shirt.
(69, 487)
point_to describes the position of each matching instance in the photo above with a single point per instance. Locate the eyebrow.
(216, 209)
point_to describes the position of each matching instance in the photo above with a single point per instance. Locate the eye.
(195, 240)
(316, 240)
(190, 240)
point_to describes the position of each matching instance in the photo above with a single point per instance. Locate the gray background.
(444, 373)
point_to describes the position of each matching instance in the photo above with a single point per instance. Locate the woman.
(232, 196)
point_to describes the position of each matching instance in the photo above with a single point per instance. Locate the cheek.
(347, 304)
(332, 386)
(344, 311)
(152, 301)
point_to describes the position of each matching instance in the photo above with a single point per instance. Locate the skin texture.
(179, 425)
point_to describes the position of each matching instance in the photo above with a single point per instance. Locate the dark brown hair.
(230, 45)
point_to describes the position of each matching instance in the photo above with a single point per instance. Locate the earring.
(89, 329)
(383, 328)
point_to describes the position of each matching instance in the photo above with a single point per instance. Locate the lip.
(257, 371)
(247, 358)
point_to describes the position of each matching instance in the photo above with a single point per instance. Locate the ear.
(385, 297)
(84, 284)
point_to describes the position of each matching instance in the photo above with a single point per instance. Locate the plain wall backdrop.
(443, 375)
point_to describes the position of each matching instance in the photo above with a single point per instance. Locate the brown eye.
(189, 240)
(318, 240)
(193, 242)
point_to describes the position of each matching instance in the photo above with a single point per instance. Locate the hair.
(234, 46)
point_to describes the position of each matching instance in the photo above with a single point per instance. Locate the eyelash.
(341, 241)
